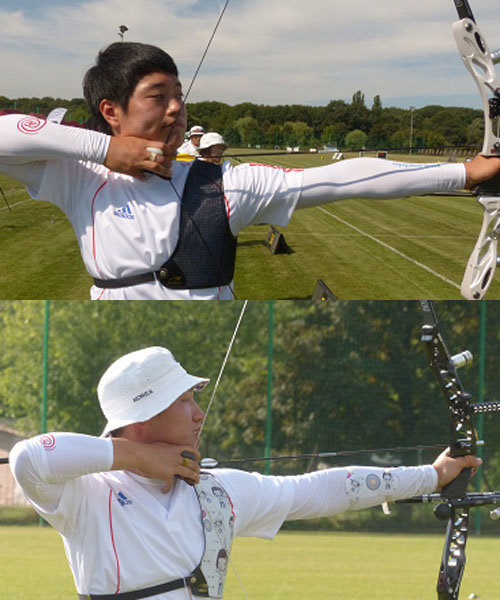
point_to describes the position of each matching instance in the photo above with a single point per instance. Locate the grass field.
(386, 249)
(333, 566)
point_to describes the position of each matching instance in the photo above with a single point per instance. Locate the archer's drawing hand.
(479, 169)
(129, 155)
(157, 460)
(448, 468)
(167, 461)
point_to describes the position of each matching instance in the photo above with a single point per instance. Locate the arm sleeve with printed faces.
(354, 488)
(263, 503)
(24, 152)
(49, 466)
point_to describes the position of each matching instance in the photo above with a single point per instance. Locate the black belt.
(127, 281)
(170, 277)
(144, 593)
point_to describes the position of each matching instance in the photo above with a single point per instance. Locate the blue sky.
(266, 51)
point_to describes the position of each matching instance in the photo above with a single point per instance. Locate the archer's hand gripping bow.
(480, 62)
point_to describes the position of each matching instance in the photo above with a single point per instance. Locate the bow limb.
(483, 259)
(462, 443)
(480, 62)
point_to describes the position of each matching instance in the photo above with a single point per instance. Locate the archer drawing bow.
(480, 62)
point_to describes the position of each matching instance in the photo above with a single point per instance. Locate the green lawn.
(385, 249)
(295, 565)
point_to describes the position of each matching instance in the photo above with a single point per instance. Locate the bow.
(462, 443)
(480, 63)
(454, 501)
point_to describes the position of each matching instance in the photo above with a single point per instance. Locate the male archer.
(152, 228)
(137, 517)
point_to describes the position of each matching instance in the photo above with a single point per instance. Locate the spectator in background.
(192, 144)
(212, 147)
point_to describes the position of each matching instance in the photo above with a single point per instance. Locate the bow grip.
(457, 488)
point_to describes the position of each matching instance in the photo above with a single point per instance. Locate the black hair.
(117, 71)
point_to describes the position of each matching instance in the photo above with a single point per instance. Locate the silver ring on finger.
(154, 153)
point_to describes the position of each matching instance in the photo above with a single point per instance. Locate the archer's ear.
(111, 113)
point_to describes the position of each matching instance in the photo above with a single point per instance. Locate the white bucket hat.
(196, 130)
(211, 139)
(140, 385)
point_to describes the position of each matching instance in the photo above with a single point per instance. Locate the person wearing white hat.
(137, 518)
(192, 144)
(212, 147)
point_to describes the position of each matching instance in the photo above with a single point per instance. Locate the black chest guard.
(206, 251)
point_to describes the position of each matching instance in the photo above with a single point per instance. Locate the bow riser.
(483, 260)
(462, 432)
(462, 443)
(453, 560)
(478, 60)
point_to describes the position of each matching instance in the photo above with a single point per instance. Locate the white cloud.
(266, 51)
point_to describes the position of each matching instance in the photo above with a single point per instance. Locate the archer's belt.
(162, 275)
(144, 593)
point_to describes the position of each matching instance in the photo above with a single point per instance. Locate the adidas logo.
(122, 499)
(124, 213)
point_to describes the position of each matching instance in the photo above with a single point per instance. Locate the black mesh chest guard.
(206, 251)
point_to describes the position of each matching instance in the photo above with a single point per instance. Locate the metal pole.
(412, 108)
(480, 398)
(270, 334)
(45, 365)
(45, 372)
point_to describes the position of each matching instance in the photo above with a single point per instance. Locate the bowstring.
(190, 87)
(206, 50)
(212, 397)
(223, 366)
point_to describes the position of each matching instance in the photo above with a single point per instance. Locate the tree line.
(346, 375)
(339, 124)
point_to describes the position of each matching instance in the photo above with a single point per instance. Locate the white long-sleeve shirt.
(122, 533)
(127, 227)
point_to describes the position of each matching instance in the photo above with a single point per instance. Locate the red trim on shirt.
(93, 225)
(227, 207)
(113, 543)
